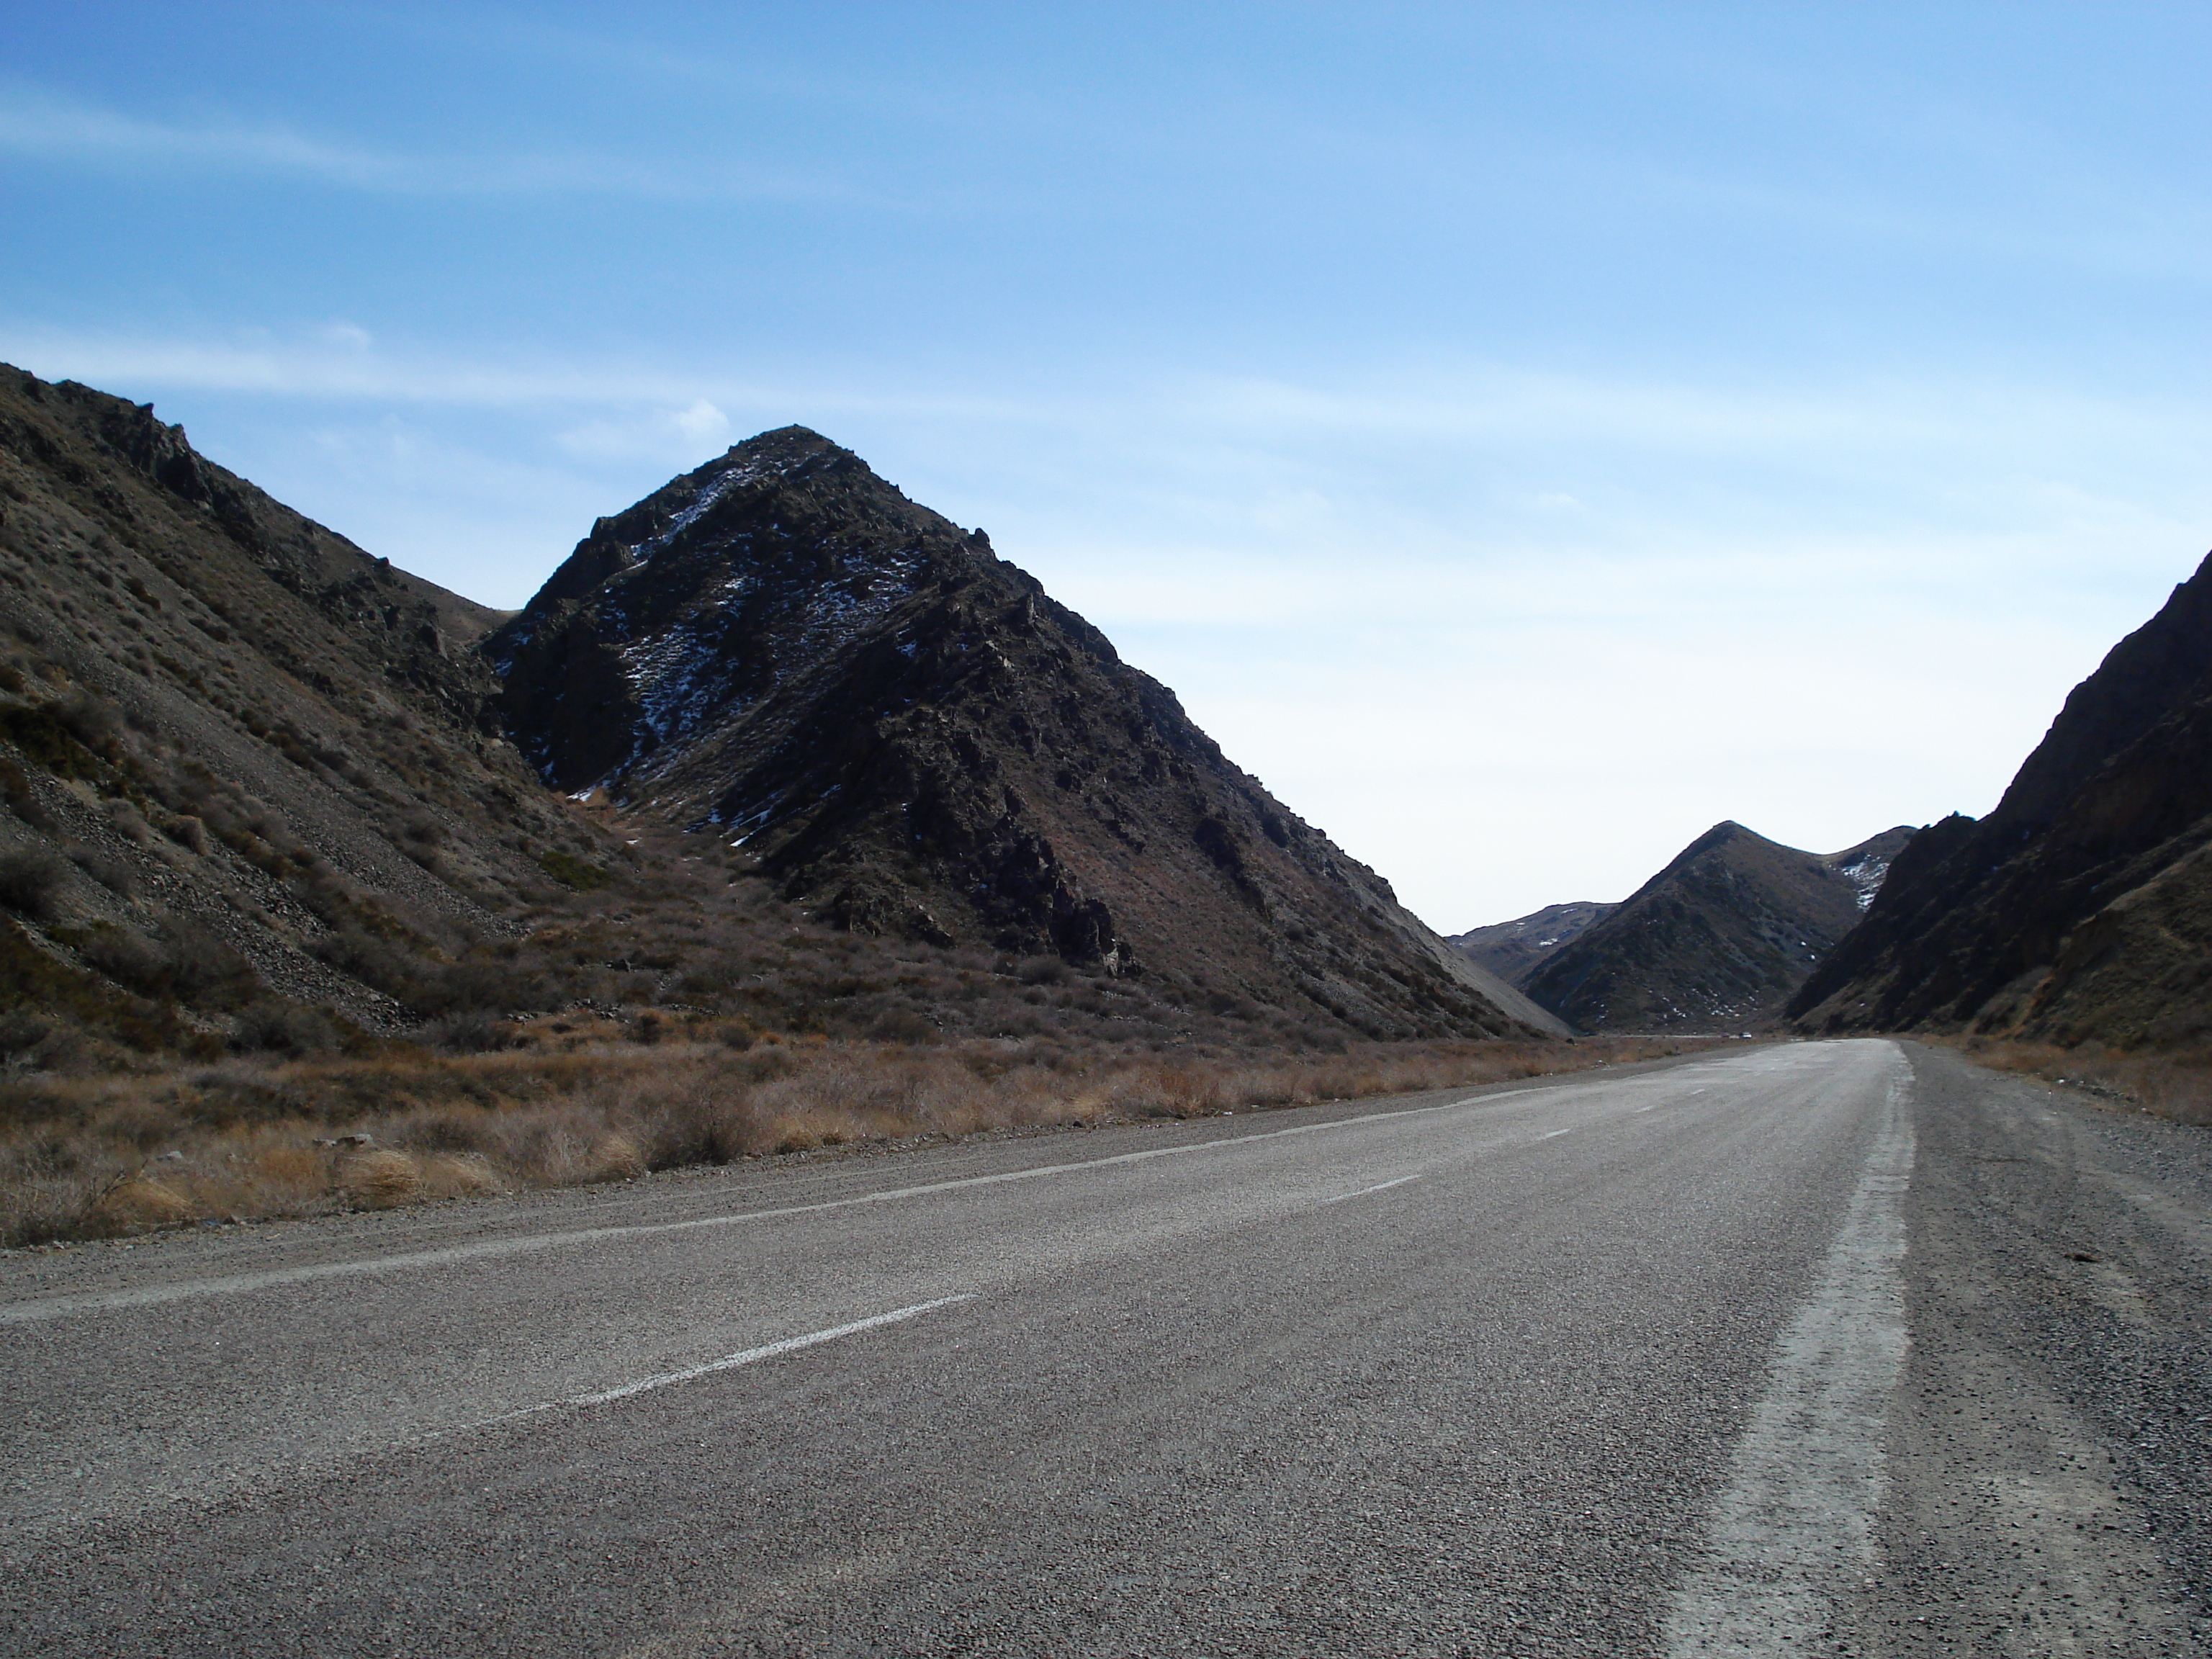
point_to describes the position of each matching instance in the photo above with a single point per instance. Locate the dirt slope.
(247, 766)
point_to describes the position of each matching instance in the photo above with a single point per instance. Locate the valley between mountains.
(782, 1099)
(788, 814)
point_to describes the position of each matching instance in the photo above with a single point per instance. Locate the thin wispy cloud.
(1293, 467)
(343, 362)
(41, 126)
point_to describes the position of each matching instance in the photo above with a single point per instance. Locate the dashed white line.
(1553, 1134)
(1379, 1186)
(730, 1362)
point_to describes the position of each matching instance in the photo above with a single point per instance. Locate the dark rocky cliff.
(2082, 905)
(780, 649)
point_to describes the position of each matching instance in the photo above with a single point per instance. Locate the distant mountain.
(1718, 940)
(1515, 950)
(781, 650)
(2082, 906)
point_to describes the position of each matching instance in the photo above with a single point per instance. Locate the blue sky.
(1524, 434)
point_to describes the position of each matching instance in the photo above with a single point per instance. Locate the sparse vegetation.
(579, 1099)
(572, 871)
(2173, 1084)
(284, 928)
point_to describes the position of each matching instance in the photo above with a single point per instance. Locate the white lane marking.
(1379, 1186)
(1643, 1109)
(1805, 1480)
(1553, 1134)
(750, 1357)
(24, 1313)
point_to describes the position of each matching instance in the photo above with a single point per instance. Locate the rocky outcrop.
(1718, 940)
(781, 651)
(2081, 907)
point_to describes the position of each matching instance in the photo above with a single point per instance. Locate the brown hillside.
(257, 799)
(248, 768)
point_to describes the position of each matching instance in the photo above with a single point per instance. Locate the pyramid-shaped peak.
(787, 454)
(784, 448)
(1726, 833)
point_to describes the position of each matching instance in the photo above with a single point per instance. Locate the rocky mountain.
(780, 652)
(1719, 940)
(1515, 950)
(2082, 906)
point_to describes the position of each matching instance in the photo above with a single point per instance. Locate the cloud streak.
(1488, 407)
(39, 124)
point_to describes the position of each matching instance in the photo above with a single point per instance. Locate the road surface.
(1836, 1347)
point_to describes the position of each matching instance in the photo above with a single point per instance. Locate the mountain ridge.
(1717, 940)
(258, 795)
(1515, 950)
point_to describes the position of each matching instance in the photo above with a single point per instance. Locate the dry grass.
(246, 1139)
(2175, 1083)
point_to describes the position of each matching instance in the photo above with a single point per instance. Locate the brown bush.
(140, 1202)
(380, 1178)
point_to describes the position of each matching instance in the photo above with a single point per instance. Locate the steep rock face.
(1515, 950)
(781, 649)
(2082, 905)
(1716, 941)
(240, 757)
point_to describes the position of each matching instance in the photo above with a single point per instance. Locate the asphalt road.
(1836, 1347)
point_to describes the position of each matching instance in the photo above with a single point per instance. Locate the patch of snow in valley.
(1867, 875)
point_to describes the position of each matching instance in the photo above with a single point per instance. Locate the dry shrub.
(447, 1175)
(140, 1202)
(379, 1179)
(32, 880)
(288, 1168)
(617, 1157)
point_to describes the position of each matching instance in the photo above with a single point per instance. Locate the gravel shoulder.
(2051, 1487)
